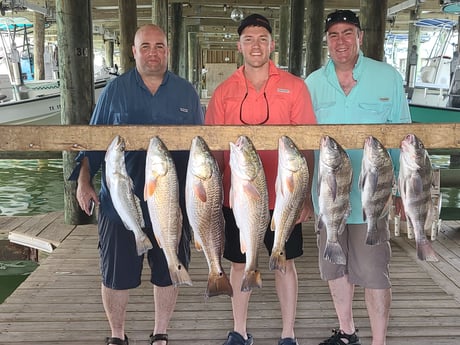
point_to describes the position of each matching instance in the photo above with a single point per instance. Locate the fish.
(376, 182)
(121, 190)
(291, 188)
(249, 201)
(415, 181)
(161, 191)
(204, 197)
(335, 176)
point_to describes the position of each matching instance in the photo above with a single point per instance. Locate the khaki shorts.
(367, 266)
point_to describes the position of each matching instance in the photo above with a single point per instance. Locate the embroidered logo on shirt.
(184, 110)
(283, 90)
(384, 99)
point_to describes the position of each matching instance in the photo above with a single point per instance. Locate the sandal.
(338, 337)
(158, 337)
(116, 341)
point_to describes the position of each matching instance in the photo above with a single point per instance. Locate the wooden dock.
(59, 303)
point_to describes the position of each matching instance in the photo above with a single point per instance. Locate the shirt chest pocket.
(375, 112)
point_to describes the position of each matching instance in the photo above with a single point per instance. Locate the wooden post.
(76, 72)
(314, 35)
(296, 40)
(128, 26)
(39, 46)
(283, 39)
(373, 20)
(176, 38)
(193, 75)
(160, 14)
(109, 45)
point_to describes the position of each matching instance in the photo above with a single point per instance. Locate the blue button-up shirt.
(126, 100)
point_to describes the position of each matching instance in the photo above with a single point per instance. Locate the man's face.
(151, 51)
(343, 42)
(256, 44)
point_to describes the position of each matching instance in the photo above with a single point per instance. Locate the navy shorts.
(232, 252)
(121, 267)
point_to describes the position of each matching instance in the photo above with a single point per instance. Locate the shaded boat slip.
(60, 301)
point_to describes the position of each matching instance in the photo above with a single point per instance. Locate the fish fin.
(332, 183)
(149, 188)
(278, 261)
(251, 191)
(425, 251)
(364, 215)
(158, 241)
(343, 224)
(200, 191)
(417, 184)
(139, 215)
(251, 279)
(361, 180)
(143, 244)
(318, 186)
(243, 247)
(198, 246)
(180, 276)
(373, 181)
(320, 224)
(290, 184)
(218, 284)
(334, 253)
(431, 215)
(230, 198)
(387, 207)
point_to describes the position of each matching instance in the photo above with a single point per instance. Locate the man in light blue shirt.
(354, 89)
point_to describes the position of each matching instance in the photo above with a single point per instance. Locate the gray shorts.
(367, 266)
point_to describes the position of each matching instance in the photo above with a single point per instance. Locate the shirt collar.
(141, 82)
(357, 70)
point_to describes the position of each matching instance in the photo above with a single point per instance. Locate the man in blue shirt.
(353, 89)
(146, 95)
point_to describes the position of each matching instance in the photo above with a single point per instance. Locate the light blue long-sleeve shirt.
(377, 97)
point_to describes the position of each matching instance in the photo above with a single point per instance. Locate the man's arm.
(85, 189)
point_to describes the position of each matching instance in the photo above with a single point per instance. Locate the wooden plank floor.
(60, 302)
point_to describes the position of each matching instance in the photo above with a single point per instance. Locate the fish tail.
(251, 279)
(180, 276)
(334, 253)
(375, 235)
(278, 261)
(218, 284)
(425, 251)
(143, 244)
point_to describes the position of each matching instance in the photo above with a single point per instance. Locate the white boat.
(42, 109)
(24, 101)
(434, 94)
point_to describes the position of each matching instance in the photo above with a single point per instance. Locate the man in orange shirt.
(260, 93)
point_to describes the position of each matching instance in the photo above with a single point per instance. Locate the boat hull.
(428, 114)
(44, 110)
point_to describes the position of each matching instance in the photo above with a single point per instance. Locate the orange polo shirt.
(284, 100)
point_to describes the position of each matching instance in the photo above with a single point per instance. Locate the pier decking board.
(59, 303)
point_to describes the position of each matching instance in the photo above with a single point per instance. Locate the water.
(12, 274)
(30, 187)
